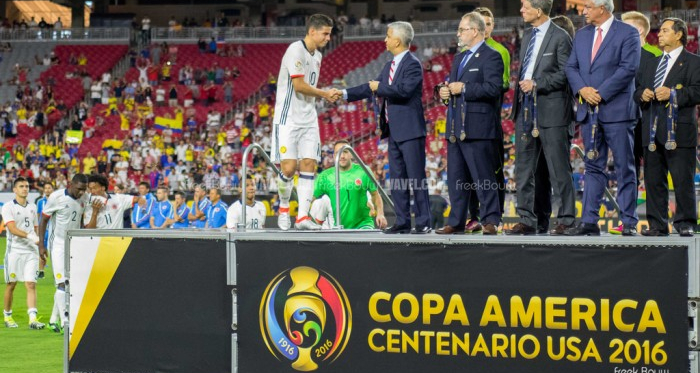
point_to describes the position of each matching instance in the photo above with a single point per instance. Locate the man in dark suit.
(542, 110)
(668, 92)
(400, 86)
(473, 91)
(601, 70)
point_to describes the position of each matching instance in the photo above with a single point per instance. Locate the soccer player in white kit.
(255, 211)
(64, 209)
(22, 254)
(110, 207)
(295, 139)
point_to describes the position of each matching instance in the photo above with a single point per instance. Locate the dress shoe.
(560, 229)
(489, 229)
(583, 229)
(521, 229)
(653, 232)
(629, 231)
(686, 231)
(421, 230)
(448, 229)
(473, 226)
(397, 229)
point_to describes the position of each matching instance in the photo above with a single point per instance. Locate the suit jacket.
(483, 80)
(612, 71)
(554, 101)
(404, 98)
(685, 78)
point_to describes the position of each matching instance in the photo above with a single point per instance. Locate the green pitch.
(24, 350)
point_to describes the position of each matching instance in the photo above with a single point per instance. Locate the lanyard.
(671, 121)
(593, 118)
(530, 112)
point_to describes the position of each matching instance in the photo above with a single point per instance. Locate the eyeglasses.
(461, 30)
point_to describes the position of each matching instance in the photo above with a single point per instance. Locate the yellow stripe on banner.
(110, 253)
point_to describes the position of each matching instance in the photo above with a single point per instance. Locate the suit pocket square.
(473, 70)
(547, 54)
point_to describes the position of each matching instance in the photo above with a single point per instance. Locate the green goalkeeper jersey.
(354, 184)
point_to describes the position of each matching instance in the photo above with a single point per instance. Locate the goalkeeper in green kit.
(356, 212)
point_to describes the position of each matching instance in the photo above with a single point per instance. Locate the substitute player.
(216, 216)
(47, 189)
(181, 211)
(22, 254)
(200, 208)
(295, 125)
(162, 215)
(110, 207)
(255, 211)
(354, 185)
(64, 210)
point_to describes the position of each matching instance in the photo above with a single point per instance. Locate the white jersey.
(65, 213)
(25, 218)
(254, 215)
(111, 216)
(293, 108)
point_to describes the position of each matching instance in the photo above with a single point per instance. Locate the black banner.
(167, 309)
(360, 307)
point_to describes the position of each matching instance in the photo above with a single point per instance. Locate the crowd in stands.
(125, 114)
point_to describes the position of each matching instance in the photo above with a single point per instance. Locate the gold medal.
(453, 139)
(671, 145)
(462, 136)
(679, 86)
(652, 147)
(535, 132)
(592, 154)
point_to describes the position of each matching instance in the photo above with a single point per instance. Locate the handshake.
(333, 95)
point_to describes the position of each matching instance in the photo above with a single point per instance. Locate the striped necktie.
(661, 71)
(597, 43)
(391, 72)
(529, 52)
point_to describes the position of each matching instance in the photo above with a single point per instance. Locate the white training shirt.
(254, 215)
(111, 216)
(65, 213)
(25, 218)
(293, 108)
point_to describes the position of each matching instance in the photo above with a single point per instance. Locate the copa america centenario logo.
(305, 318)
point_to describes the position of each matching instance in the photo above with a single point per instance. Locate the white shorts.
(21, 267)
(291, 142)
(58, 261)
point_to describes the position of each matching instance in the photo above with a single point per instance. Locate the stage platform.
(357, 300)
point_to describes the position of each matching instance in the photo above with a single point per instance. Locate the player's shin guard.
(284, 189)
(305, 191)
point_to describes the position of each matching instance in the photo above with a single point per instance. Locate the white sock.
(32, 314)
(62, 311)
(54, 312)
(284, 189)
(59, 299)
(305, 191)
(7, 313)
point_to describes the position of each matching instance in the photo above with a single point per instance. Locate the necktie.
(529, 52)
(598, 42)
(391, 72)
(661, 71)
(391, 80)
(463, 63)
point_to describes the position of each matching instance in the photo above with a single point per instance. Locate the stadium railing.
(382, 192)
(89, 35)
(356, 32)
